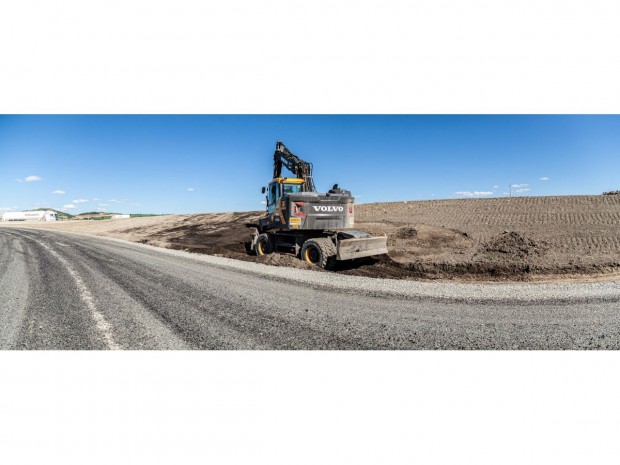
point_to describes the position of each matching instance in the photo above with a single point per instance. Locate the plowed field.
(519, 238)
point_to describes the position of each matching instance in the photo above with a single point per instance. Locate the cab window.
(291, 188)
(273, 196)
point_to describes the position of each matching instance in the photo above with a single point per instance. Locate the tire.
(263, 245)
(320, 252)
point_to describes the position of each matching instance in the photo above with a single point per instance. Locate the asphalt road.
(68, 291)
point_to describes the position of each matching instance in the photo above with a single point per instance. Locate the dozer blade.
(349, 249)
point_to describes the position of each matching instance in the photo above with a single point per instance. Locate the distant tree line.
(611, 193)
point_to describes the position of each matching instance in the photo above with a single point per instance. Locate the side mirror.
(263, 190)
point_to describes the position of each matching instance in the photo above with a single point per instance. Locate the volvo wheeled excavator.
(316, 227)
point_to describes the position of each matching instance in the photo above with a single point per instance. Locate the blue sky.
(209, 163)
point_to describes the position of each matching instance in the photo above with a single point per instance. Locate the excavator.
(316, 227)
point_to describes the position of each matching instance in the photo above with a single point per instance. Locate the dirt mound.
(514, 245)
(223, 234)
(406, 232)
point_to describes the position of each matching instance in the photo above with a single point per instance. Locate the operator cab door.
(273, 195)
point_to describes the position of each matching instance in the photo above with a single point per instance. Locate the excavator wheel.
(320, 252)
(263, 245)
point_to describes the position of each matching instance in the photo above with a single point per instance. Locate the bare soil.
(501, 239)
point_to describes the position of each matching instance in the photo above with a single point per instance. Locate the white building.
(42, 215)
(120, 217)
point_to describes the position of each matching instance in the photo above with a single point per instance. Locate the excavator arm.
(300, 168)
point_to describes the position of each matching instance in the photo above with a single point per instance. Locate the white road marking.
(101, 323)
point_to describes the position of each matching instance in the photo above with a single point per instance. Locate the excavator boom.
(300, 168)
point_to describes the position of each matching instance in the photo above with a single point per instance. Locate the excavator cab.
(280, 187)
